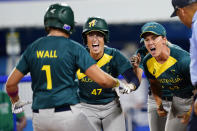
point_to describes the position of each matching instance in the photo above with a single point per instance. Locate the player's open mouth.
(152, 49)
(95, 46)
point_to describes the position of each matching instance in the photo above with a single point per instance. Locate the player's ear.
(180, 12)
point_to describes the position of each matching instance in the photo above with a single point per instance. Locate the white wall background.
(30, 13)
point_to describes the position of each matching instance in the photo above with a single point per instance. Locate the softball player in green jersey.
(7, 122)
(167, 68)
(101, 105)
(156, 123)
(52, 62)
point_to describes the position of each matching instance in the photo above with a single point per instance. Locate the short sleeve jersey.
(173, 75)
(52, 62)
(114, 63)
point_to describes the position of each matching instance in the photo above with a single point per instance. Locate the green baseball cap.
(152, 27)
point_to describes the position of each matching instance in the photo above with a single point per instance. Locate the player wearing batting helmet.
(52, 62)
(102, 105)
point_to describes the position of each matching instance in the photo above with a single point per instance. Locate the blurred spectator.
(9, 121)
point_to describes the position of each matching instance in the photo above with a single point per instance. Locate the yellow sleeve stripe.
(104, 60)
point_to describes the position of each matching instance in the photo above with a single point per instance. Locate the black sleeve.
(130, 76)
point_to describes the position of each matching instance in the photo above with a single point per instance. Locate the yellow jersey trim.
(103, 61)
(156, 69)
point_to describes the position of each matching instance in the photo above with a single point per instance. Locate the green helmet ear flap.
(60, 16)
(95, 24)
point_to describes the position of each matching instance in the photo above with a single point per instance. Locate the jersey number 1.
(47, 68)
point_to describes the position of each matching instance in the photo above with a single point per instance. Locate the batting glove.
(124, 88)
(18, 106)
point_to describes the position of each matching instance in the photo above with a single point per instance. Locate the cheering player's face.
(154, 44)
(95, 42)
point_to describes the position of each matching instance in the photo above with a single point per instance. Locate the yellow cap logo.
(92, 23)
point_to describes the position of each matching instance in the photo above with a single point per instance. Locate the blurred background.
(21, 22)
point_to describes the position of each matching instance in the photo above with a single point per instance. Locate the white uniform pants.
(108, 117)
(179, 107)
(156, 123)
(48, 120)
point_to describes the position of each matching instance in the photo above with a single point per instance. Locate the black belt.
(167, 98)
(57, 109)
(185, 95)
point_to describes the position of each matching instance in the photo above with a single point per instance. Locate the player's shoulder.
(109, 50)
(147, 57)
(178, 53)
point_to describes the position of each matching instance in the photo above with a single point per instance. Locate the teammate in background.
(52, 62)
(167, 71)
(156, 123)
(7, 122)
(186, 10)
(102, 106)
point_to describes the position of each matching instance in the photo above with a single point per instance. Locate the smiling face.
(154, 44)
(95, 43)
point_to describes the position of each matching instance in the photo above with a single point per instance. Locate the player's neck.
(58, 33)
(163, 57)
(96, 56)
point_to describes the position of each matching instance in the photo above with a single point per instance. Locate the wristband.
(13, 94)
(117, 83)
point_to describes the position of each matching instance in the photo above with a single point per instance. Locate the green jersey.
(173, 75)
(6, 116)
(52, 62)
(112, 62)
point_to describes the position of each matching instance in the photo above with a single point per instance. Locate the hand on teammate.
(18, 106)
(135, 60)
(161, 111)
(185, 117)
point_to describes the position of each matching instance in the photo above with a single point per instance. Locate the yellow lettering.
(99, 91)
(40, 54)
(92, 23)
(51, 54)
(174, 87)
(47, 68)
(55, 56)
(46, 54)
(94, 92)
(85, 79)
(177, 87)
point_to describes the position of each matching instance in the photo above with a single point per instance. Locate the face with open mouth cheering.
(95, 43)
(154, 44)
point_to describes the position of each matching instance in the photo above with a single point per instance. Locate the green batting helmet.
(60, 16)
(95, 24)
